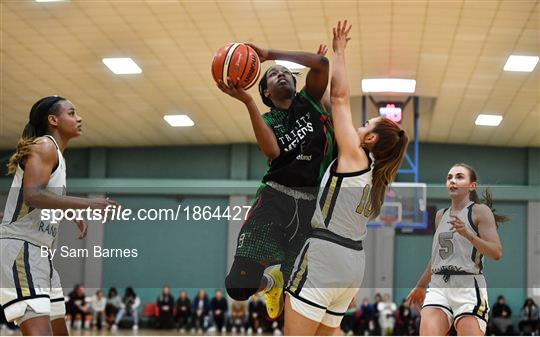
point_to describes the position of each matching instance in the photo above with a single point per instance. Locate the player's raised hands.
(341, 36)
(261, 52)
(235, 91)
(323, 49)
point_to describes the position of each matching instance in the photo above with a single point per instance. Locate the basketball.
(236, 60)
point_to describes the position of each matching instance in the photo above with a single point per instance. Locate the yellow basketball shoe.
(274, 296)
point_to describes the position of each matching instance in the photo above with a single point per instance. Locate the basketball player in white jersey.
(31, 294)
(329, 270)
(466, 231)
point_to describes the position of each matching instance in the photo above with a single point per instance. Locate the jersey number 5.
(364, 207)
(447, 245)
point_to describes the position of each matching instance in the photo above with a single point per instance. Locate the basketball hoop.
(404, 207)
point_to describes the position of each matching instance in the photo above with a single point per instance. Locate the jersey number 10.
(364, 207)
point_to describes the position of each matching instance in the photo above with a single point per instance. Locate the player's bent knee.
(244, 279)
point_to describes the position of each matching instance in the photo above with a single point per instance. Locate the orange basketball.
(236, 60)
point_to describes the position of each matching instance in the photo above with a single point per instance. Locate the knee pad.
(244, 278)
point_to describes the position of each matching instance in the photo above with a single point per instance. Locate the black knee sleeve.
(244, 278)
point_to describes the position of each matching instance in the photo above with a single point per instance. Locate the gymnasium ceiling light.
(178, 120)
(122, 65)
(488, 120)
(521, 63)
(388, 85)
(290, 65)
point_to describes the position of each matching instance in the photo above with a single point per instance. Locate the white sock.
(269, 282)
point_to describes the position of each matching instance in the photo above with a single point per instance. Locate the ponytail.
(36, 127)
(29, 131)
(21, 151)
(487, 197)
(389, 151)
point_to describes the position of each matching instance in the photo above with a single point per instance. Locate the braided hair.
(37, 126)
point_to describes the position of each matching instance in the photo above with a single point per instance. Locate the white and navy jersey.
(452, 253)
(343, 203)
(23, 222)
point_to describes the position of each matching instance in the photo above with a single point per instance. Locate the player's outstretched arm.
(317, 77)
(351, 156)
(38, 166)
(417, 295)
(266, 139)
(325, 100)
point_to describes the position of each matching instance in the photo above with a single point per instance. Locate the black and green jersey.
(305, 137)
